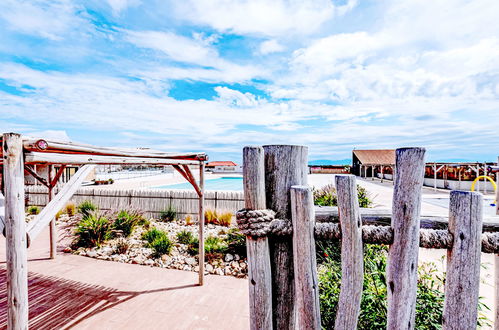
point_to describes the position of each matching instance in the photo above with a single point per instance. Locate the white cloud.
(178, 48)
(118, 6)
(236, 98)
(270, 46)
(51, 20)
(262, 17)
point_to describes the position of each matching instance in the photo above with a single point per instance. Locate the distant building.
(223, 167)
(368, 163)
(329, 169)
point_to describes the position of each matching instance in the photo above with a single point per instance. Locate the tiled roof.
(376, 157)
(221, 163)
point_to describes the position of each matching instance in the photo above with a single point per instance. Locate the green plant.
(126, 221)
(185, 237)
(86, 207)
(70, 209)
(327, 196)
(169, 214)
(193, 247)
(152, 234)
(158, 241)
(429, 306)
(214, 244)
(161, 245)
(33, 210)
(236, 242)
(225, 219)
(58, 214)
(92, 230)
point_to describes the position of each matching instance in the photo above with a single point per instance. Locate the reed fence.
(150, 201)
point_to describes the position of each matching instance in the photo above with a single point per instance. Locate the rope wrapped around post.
(258, 223)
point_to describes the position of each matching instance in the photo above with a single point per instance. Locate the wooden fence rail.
(293, 224)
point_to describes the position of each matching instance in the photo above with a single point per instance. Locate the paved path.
(84, 293)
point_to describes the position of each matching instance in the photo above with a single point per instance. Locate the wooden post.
(15, 228)
(435, 176)
(382, 175)
(285, 166)
(305, 263)
(496, 259)
(201, 223)
(402, 266)
(53, 228)
(372, 172)
(259, 273)
(352, 254)
(463, 261)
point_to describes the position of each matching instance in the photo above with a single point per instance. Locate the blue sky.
(216, 75)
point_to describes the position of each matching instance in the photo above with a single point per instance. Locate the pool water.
(233, 183)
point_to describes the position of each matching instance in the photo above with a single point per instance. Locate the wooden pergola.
(20, 155)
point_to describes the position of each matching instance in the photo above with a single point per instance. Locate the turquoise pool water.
(224, 183)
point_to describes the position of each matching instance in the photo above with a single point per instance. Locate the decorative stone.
(91, 254)
(209, 268)
(229, 257)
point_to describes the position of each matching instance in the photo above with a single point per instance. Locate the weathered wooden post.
(285, 166)
(352, 253)
(52, 227)
(15, 228)
(402, 265)
(463, 261)
(496, 322)
(259, 273)
(201, 223)
(305, 263)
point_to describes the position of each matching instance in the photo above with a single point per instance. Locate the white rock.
(190, 261)
(209, 268)
(91, 254)
(149, 262)
(229, 257)
(237, 257)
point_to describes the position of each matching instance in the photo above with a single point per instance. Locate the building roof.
(376, 157)
(221, 163)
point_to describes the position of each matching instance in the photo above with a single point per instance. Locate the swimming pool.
(231, 183)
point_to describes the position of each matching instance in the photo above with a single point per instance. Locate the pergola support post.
(15, 228)
(201, 223)
(52, 227)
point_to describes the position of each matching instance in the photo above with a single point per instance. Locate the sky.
(216, 75)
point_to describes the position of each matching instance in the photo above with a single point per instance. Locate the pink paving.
(83, 293)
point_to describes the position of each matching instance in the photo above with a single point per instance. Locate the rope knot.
(255, 223)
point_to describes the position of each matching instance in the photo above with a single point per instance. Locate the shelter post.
(201, 223)
(53, 229)
(15, 228)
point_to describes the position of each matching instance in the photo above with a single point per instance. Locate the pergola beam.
(78, 159)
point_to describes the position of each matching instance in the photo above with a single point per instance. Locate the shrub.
(158, 241)
(122, 246)
(168, 215)
(185, 237)
(193, 247)
(214, 245)
(161, 245)
(70, 209)
(92, 230)
(429, 306)
(327, 196)
(33, 210)
(127, 220)
(86, 207)
(188, 221)
(236, 242)
(210, 217)
(58, 214)
(152, 234)
(225, 219)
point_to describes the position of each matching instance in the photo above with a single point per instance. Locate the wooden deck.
(84, 293)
